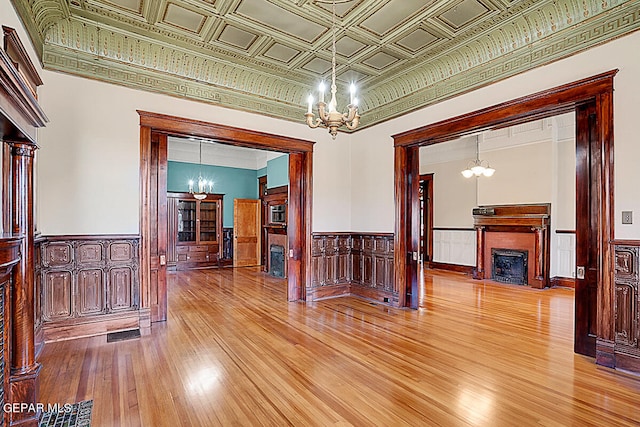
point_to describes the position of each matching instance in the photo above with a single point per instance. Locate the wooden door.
(246, 232)
(588, 202)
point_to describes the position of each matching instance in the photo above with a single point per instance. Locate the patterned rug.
(78, 416)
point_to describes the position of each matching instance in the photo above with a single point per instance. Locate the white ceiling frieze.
(242, 54)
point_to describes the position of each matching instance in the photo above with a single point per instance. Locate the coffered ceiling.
(267, 56)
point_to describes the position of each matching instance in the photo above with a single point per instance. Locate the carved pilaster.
(478, 273)
(540, 241)
(24, 369)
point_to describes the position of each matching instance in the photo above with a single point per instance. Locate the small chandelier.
(329, 116)
(201, 194)
(478, 167)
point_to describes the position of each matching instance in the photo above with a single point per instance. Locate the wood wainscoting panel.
(90, 292)
(58, 301)
(90, 284)
(626, 349)
(359, 264)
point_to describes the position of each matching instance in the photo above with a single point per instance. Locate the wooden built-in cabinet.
(195, 231)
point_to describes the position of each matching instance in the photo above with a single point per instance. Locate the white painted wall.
(89, 157)
(374, 204)
(87, 169)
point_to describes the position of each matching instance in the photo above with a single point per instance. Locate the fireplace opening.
(276, 260)
(509, 266)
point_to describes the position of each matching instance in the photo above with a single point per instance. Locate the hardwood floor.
(234, 352)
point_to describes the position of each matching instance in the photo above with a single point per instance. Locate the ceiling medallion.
(329, 116)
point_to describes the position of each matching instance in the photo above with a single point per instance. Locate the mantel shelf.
(511, 221)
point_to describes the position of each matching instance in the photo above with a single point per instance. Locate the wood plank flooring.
(234, 352)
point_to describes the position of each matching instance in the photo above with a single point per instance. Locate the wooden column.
(24, 368)
(478, 273)
(539, 253)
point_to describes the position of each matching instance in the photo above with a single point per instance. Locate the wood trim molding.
(466, 269)
(453, 229)
(283, 189)
(547, 103)
(565, 282)
(21, 113)
(226, 134)
(350, 233)
(16, 51)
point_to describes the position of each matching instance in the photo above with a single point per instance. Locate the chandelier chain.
(333, 47)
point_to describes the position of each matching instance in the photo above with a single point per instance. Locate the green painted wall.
(278, 172)
(234, 183)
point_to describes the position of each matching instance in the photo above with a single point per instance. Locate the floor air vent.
(123, 335)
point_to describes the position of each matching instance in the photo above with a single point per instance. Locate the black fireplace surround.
(509, 266)
(276, 260)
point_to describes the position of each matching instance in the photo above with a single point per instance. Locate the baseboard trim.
(565, 282)
(91, 326)
(466, 269)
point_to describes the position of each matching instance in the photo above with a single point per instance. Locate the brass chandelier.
(329, 116)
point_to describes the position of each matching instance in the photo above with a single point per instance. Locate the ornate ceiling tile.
(266, 56)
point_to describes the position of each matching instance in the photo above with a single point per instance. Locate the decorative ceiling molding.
(184, 50)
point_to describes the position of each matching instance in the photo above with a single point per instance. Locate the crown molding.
(528, 35)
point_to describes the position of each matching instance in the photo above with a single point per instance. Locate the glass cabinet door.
(186, 221)
(208, 221)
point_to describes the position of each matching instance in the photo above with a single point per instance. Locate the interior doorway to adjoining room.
(592, 101)
(154, 131)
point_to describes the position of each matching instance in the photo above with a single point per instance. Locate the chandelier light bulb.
(488, 171)
(467, 173)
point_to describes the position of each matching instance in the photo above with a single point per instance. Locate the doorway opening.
(154, 132)
(592, 101)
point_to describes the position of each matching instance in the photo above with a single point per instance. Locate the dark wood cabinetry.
(195, 230)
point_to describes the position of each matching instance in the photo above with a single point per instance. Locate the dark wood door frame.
(153, 163)
(562, 99)
(426, 182)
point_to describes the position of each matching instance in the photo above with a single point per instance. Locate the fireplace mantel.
(523, 227)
